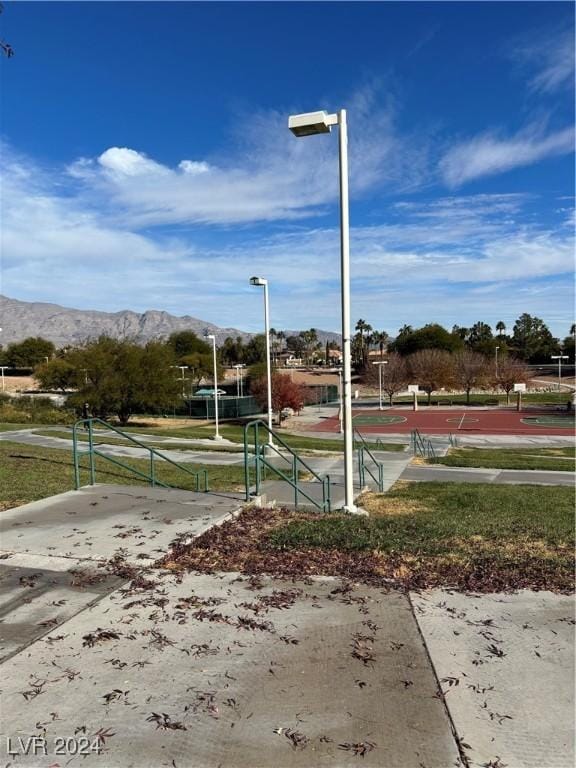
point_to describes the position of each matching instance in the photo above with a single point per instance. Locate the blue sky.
(147, 163)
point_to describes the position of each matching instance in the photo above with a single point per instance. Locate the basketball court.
(505, 421)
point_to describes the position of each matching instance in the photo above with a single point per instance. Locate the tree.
(511, 371)
(201, 366)
(232, 351)
(285, 394)
(30, 352)
(296, 345)
(532, 340)
(122, 378)
(500, 327)
(431, 369)
(460, 331)
(187, 343)
(255, 350)
(363, 328)
(431, 336)
(380, 338)
(57, 374)
(569, 344)
(311, 343)
(471, 371)
(480, 338)
(395, 375)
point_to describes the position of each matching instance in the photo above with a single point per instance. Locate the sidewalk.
(158, 668)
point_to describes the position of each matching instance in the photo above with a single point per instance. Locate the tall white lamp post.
(559, 358)
(496, 356)
(380, 364)
(263, 283)
(3, 368)
(310, 124)
(211, 336)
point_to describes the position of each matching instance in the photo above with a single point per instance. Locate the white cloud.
(194, 167)
(270, 175)
(428, 261)
(488, 154)
(128, 162)
(551, 58)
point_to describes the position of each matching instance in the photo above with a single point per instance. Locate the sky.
(147, 164)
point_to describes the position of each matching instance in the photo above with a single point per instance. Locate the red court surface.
(458, 421)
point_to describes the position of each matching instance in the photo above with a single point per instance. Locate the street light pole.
(496, 356)
(3, 368)
(559, 358)
(182, 369)
(262, 282)
(211, 336)
(380, 364)
(307, 125)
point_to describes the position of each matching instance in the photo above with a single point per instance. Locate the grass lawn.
(474, 537)
(7, 427)
(28, 473)
(235, 433)
(101, 437)
(552, 459)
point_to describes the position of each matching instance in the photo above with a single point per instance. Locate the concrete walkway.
(426, 474)
(52, 551)
(198, 671)
(27, 437)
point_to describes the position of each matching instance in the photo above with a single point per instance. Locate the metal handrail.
(363, 468)
(421, 446)
(261, 462)
(153, 452)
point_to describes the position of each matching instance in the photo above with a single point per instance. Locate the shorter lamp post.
(182, 369)
(496, 357)
(559, 358)
(211, 336)
(3, 368)
(380, 364)
(239, 380)
(340, 403)
(262, 282)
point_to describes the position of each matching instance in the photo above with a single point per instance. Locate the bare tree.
(511, 371)
(395, 375)
(432, 369)
(471, 371)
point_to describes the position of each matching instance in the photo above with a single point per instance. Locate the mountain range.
(64, 326)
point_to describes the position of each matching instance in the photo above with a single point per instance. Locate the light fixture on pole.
(182, 369)
(239, 380)
(380, 363)
(310, 124)
(212, 337)
(263, 283)
(559, 358)
(496, 356)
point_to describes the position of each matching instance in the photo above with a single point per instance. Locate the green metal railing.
(421, 446)
(453, 440)
(88, 427)
(261, 464)
(363, 467)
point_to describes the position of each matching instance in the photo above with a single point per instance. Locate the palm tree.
(500, 327)
(362, 326)
(381, 339)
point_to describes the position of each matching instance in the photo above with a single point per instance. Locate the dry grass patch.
(382, 506)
